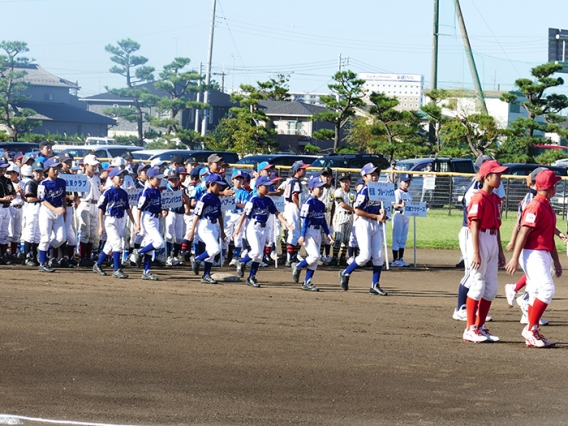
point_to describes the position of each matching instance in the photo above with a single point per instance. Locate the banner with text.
(75, 183)
(381, 191)
(415, 208)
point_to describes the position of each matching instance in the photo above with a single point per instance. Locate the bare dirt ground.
(77, 346)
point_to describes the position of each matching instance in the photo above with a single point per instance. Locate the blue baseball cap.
(246, 176)
(405, 177)
(315, 182)
(194, 173)
(215, 178)
(299, 165)
(154, 172)
(116, 171)
(263, 181)
(203, 171)
(368, 169)
(3, 163)
(359, 182)
(264, 165)
(51, 162)
(236, 173)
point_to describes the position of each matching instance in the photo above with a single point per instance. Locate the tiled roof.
(37, 76)
(53, 111)
(292, 108)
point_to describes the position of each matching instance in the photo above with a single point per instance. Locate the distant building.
(308, 98)
(406, 87)
(55, 101)
(220, 104)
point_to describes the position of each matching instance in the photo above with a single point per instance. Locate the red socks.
(535, 312)
(521, 283)
(484, 306)
(471, 309)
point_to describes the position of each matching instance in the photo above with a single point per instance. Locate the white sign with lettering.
(75, 183)
(415, 208)
(381, 191)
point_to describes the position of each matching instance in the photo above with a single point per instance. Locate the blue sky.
(256, 40)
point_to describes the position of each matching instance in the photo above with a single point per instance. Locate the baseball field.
(75, 346)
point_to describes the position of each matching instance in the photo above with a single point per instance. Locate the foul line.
(9, 419)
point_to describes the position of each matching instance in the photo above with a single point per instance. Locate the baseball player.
(112, 221)
(136, 238)
(241, 198)
(536, 251)
(208, 220)
(175, 225)
(7, 195)
(484, 252)
(15, 224)
(293, 199)
(87, 211)
(343, 217)
(68, 248)
(51, 192)
(326, 176)
(400, 222)
(257, 211)
(314, 222)
(30, 232)
(189, 190)
(147, 221)
(369, 233)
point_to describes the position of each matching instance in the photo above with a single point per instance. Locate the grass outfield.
(440, 231)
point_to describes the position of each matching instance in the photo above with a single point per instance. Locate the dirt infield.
(77, 346)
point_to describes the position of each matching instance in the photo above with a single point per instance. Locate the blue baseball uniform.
(150, 204)
(209, 214)
(51, 224)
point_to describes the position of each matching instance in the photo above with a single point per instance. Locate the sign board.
(227, 203)
(133, 196)
(429, 182)
(415, 208)
(278, 202)
(171, 200)
(558, 47)
(381, 191)
(75, 183)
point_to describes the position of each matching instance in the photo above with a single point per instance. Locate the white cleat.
(510, 294)
(474, 335)
(525, 320)
(490, 337)
(533, 338)
(233, 261)
(460, 314)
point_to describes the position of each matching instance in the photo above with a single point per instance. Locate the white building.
(308, 98)
(406, 87)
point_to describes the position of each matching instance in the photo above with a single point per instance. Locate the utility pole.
(222, 74)
(470, 58)
(435, 31)
(208, 73)
(198, 99)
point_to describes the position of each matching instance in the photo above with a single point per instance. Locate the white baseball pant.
(70, 227)
(87, 214)
(114, 228)
(51, 228)
(483, 281)
(312, 245)
(15, 226)
(537, 264)
(150, 228)
(209, 234)
(400, 225)
(30, 232)
(292, 215)
(369, 235)
(175, 227)
(4, 224)
(257, 236)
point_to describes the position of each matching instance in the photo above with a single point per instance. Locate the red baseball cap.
(491, 166)
(546, 180)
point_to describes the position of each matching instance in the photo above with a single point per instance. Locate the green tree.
(347, 94)
(523, 132)
(478, 132)
(133, 68)
(396, 132)
(179, 83)
(433, 111)
(360, 133)
(12, 87)
(275, 89)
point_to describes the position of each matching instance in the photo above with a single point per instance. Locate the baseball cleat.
(510, 294)
(194, 265)
(490, 337)
(172, 261)
(54, 263)
(525, 320)
(119, 274)
(473, 335)
(296, 272)
(233, 261)
(98, 269)
(207, 279)
(343, 280)
(44, 268)
(309, 287)
(460, 314)
(253, 282)
(377, 290)
(241, 269)
(533, 338)
(31, 262)
(149, 276)
(402, 263)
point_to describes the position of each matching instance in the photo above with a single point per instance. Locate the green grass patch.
(440, 231)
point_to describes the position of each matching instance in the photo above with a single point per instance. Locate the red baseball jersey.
(486, 208)
(539, 215)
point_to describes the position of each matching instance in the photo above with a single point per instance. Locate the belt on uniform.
(213, 221)
(489, 231)
(314, 226)
(261, 224)
(92, 201)
(5, 205)
(70, 204)
(347, 212)
(17, 206)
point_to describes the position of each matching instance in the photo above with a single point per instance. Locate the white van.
(100, 141)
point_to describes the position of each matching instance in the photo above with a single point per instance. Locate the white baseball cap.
(26, 170)
(13, 168)
(91, 160)
(118, 161)
(157, 162)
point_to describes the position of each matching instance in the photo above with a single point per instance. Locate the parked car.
(24, 147)
(101, 151)
(351, 161)
(516, 189)
(199, 155)
(277, 159)
(445, 185)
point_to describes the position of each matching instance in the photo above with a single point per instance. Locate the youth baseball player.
(175, 225)
(257, 211)
(369, 232)
(343, 217)
(112, 209)
(7, 195)
(30, 232)
(400, 222)
(15, 225)
(326, 176)
(536, 252)
(51, 192)
(87, 211)
(293, 199)
(68, 248)
(313, 215)
(484, 252)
